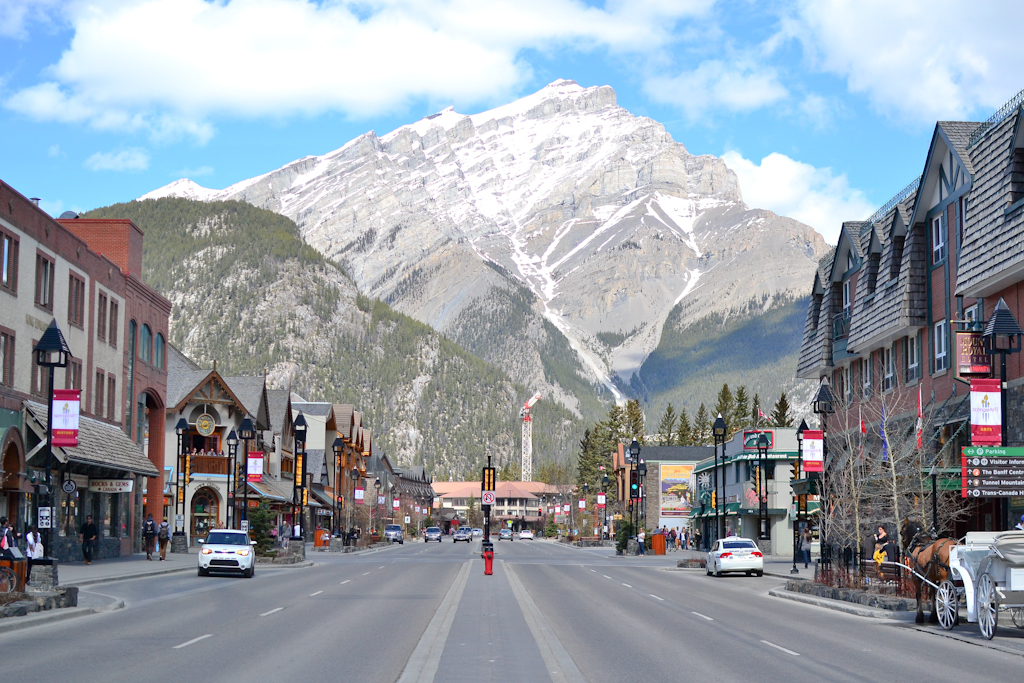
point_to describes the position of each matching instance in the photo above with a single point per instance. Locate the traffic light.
(634, 485)
(794, 473)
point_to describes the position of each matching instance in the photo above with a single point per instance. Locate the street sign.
(992, 472)
(43, 518)
(179, 522)
(245, 525)
(69, 486)
(407, 519)
(487, 498)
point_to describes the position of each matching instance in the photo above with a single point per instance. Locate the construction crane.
(526, 466)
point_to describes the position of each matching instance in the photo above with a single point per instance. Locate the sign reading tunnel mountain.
(992, 472)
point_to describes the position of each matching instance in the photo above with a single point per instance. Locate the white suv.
(227, 550)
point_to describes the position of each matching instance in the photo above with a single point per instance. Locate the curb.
(296, 565)
(970, 641)
(127, 577)
(55, 616)
(840, 606)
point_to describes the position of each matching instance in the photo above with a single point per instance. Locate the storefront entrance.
(205, 513)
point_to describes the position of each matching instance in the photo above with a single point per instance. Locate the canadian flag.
(920, 420)
(761, 414)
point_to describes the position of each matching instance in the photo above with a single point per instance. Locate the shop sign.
(111, 485)
(971, 359)
(69, 486)
(750, 438)
(43, 518)
(64, 410)
(992, 472)
(359, 495)
(255, 466)
(986, 412)
(814, 450)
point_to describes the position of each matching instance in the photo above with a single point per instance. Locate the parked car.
(227, 550)
(525, 535)
(432, 533)
(462, 535)
(477, 533)
(735, 554)
(506, 533)
(393, 534)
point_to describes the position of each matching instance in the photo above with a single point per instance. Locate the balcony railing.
(209, 464)
(841, 325)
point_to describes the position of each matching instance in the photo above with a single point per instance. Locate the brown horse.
(928, 557)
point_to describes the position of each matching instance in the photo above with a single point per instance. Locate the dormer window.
(897, 256)
(846, 297)
(938, 240)
(849, 261)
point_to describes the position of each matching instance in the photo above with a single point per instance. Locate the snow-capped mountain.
(600, 214)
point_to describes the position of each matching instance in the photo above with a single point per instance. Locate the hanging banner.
(814, 450)
(566, 508)
(254, 470)
(583, 503)
(986, 412)
(64, 410)
(600, 501)
(359, 496)
(971, 358)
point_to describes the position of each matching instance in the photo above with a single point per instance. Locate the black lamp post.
(247, 432)
(353, 474)
(339, 447)
(376, 501)
(1002, 336)
(232, 441)
(763, 526)
(823, 405)
(634, 459)
(641, 470)
(718, 430)
(299, 482)
(798, 500)
(586, 489)
(604, 516)
(182, 480)
(51, 351)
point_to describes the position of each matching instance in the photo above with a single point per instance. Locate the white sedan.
(526, 534)
(735, 554)
(227, 550)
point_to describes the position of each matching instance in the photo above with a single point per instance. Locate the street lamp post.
(641, 470)
(51, 351)
(179, 542)
(718, 430)
(232, 441)
(299, 482)
(763, 525)
(246, 432)
(634, 459)
(798, 500)
(339, 446)
(586, 489)
(604, 516)
(1002, 336)
(823, 405)
(376, 502)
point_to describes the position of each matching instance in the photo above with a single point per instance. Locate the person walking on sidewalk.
(88, 536)
(805, 546)
(149, 534)
(7, 540)
(163, 536)
(34, 545)
(640, 539)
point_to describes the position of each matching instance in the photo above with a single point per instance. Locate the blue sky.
(824, 108)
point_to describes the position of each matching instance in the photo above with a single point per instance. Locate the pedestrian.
(885, 543)
(805, 546)
(89, 535)
(149, 534)
(163, 535)
(641, 538)
(34, 545)
(698, 540)
(7, 540)
(672, 539)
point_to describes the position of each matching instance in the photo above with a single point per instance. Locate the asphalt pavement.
(427, 613)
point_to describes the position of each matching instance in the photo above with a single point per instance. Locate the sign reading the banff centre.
(992, 472)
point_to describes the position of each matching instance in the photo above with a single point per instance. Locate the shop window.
(112, 336)
(158, 351)
(9, 265)
(7, 357)
(76, 301)
(44, 281)
(101, 317)
(101, 381)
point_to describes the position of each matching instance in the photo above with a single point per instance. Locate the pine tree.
(755, 410)
(634, 421)
(667, 426)
(616, 423)
(741, 409)
(684, 432)
(724, 407)
(780, 416)
(592, 455)
(702, 427)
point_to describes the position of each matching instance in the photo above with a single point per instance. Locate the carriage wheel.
(988, 606)
(946, 604)
(1018, 617)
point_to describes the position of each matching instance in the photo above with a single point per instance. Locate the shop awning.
(278, 491)
(321, 495)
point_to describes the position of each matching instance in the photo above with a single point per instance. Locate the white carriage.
(987, 574)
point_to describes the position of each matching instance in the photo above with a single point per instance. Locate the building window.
(101, 317)
(111, 397)
(846, 297)
(888, 368)
(941, 347)
(39, 375)
(873, 260)
(7, 357)
(960, 220)
(44, 282)
(815, 310)
(938, 239)
(98, 405)
(112, 338)
(913, 358)
(865, 376)
(76, 301)
(846, 376)
(158, 351)
(897, 257)
(849, 261)
(73, 374)
(9, 265)
(146, 344)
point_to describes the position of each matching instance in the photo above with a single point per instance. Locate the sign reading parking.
(992, 472)
(488, 498)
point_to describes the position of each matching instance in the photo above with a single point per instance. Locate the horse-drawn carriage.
(986, 572)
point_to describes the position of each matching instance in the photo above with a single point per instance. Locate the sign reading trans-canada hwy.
(992, 472)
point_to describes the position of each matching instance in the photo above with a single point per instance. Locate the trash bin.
(658, 544)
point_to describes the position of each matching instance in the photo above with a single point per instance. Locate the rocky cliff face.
(552, 236)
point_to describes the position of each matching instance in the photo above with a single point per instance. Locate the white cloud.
(193, 172)
(16, 14)
(166, 66)
(739, 85)
(133, 159)
(918, 60)
(53, 151)
(814, 196)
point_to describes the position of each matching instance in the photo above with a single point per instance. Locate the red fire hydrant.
(488, 562)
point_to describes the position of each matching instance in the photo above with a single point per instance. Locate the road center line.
(344, 582)
(702, 616)
(422, 664)
(627, 585)
(656, 597)
(276, 609)
(606, 576)
(380, 567)
(194, 640)
(317, 593)
(366, 574)
(779, 647)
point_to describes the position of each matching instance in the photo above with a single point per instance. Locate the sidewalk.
(128, 567)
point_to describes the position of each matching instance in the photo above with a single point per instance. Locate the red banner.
(359, 492)
(254, 468)
(64, 411)
(986, 412)
(814, 450)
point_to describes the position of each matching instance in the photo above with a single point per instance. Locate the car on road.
(462, 535)
(525, 535)
(735, 554)
(477, 533)
(431, 533)
(506, 533)
(227, 550)
(393, 534)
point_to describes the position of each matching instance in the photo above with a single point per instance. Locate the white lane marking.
(317, 593)
(194, 640)
(702, 616)
(382, 566)
(627, 585)
(276, 609)
(366, 574)
(656, 597)
(606, 576)
(594, 570)
(779, 647)
(344, 582)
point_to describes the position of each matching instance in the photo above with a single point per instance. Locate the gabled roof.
(183, 376)
(251, 391)
(956, 144)
(343, 417)
(279, 405)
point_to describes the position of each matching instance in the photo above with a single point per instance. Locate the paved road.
(426, 613)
